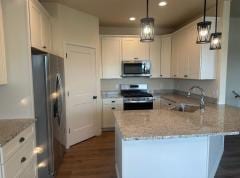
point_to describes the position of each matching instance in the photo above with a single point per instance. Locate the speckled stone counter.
(165, 123)
(10, 128)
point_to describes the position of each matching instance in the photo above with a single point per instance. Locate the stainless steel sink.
(185, 108)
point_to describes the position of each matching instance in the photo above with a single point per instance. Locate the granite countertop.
(165, 123)
(10, 128)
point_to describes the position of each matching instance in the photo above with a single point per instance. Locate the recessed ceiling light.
(132, 18)
(162, 3)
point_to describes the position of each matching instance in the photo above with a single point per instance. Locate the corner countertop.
(164, 123)
(10, 128)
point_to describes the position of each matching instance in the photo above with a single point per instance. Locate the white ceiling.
(116, 12)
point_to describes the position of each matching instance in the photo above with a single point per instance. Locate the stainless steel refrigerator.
(49, 101)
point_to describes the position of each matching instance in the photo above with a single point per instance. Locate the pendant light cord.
(216, 16)
(205, 8)
(147, 8)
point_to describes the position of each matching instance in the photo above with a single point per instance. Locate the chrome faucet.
(202, 100)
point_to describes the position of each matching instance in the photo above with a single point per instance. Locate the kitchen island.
(170, 144)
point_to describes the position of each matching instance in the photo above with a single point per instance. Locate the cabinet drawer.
(20, 159)
(30, 171)
(113, 101)
(15, 144)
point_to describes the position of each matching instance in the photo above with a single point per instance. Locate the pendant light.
(215, 39)
(204, 28)
(147, 28)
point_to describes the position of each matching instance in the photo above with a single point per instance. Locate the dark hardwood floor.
(230, 164)
(94, 158)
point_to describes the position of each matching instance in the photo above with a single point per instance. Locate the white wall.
(17, 96)
(233, 74)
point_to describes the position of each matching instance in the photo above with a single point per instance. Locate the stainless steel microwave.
(136, 68)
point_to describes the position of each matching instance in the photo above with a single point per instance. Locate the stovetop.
(135, 94)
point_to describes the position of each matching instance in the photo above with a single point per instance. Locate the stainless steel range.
(136, 97)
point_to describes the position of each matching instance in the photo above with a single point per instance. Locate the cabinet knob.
(186, 76)
(44, 47)
(161, 75)
(22, 139)
(113, 101)
(136, 58)
(94, 97)
(23, 159)
(113, 108)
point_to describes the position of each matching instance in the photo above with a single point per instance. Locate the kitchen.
(88, 88)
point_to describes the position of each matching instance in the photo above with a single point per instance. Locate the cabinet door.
(133, 49)
(3, 70)
(35, 25)
(155, 56)
(111, 57)
(175, 55)
(108, 117)
(46, 32)
(166, 56)
(183, 64)
(156, 103)
(194, 54)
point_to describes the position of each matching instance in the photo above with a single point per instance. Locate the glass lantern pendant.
(215, 39)
(147, 28)
(203, 28)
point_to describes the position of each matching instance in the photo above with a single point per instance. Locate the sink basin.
(185, 108)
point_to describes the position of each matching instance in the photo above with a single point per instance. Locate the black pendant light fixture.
(204, 28)
(147, 28)
(215, 39)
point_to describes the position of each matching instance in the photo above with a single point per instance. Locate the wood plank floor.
(94, 158)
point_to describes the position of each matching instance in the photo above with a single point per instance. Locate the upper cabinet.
(111, 57)
(3, 70)
(155, 57)
(40, 26)
(166, 55)
(160, 56)
(191, 60)
(133, 49)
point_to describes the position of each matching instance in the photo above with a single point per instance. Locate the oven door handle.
(149, 101)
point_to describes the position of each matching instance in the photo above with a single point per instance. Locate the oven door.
(136, 69)
(138, 105)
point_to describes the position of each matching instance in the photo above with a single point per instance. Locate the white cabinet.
(40, 26)
(191, 60)
(111, 57)
(156, 103)
(155, 57)
(17, 156)
(160, 56)
(166, 55)
(3, 69)
(110, 105)
(133, 49)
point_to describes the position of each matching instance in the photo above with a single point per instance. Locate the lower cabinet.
(110, 105)
(17, 156)
(156, 103)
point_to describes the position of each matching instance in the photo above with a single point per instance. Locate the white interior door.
(81, 87)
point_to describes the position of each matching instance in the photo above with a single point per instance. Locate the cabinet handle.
(94, 97)
(44, 47)
(23, 159)
(113, 101)
(161, 75)
(22, 139)
(136, 58)
(113, 108)
(186, 76)
(175, 75)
